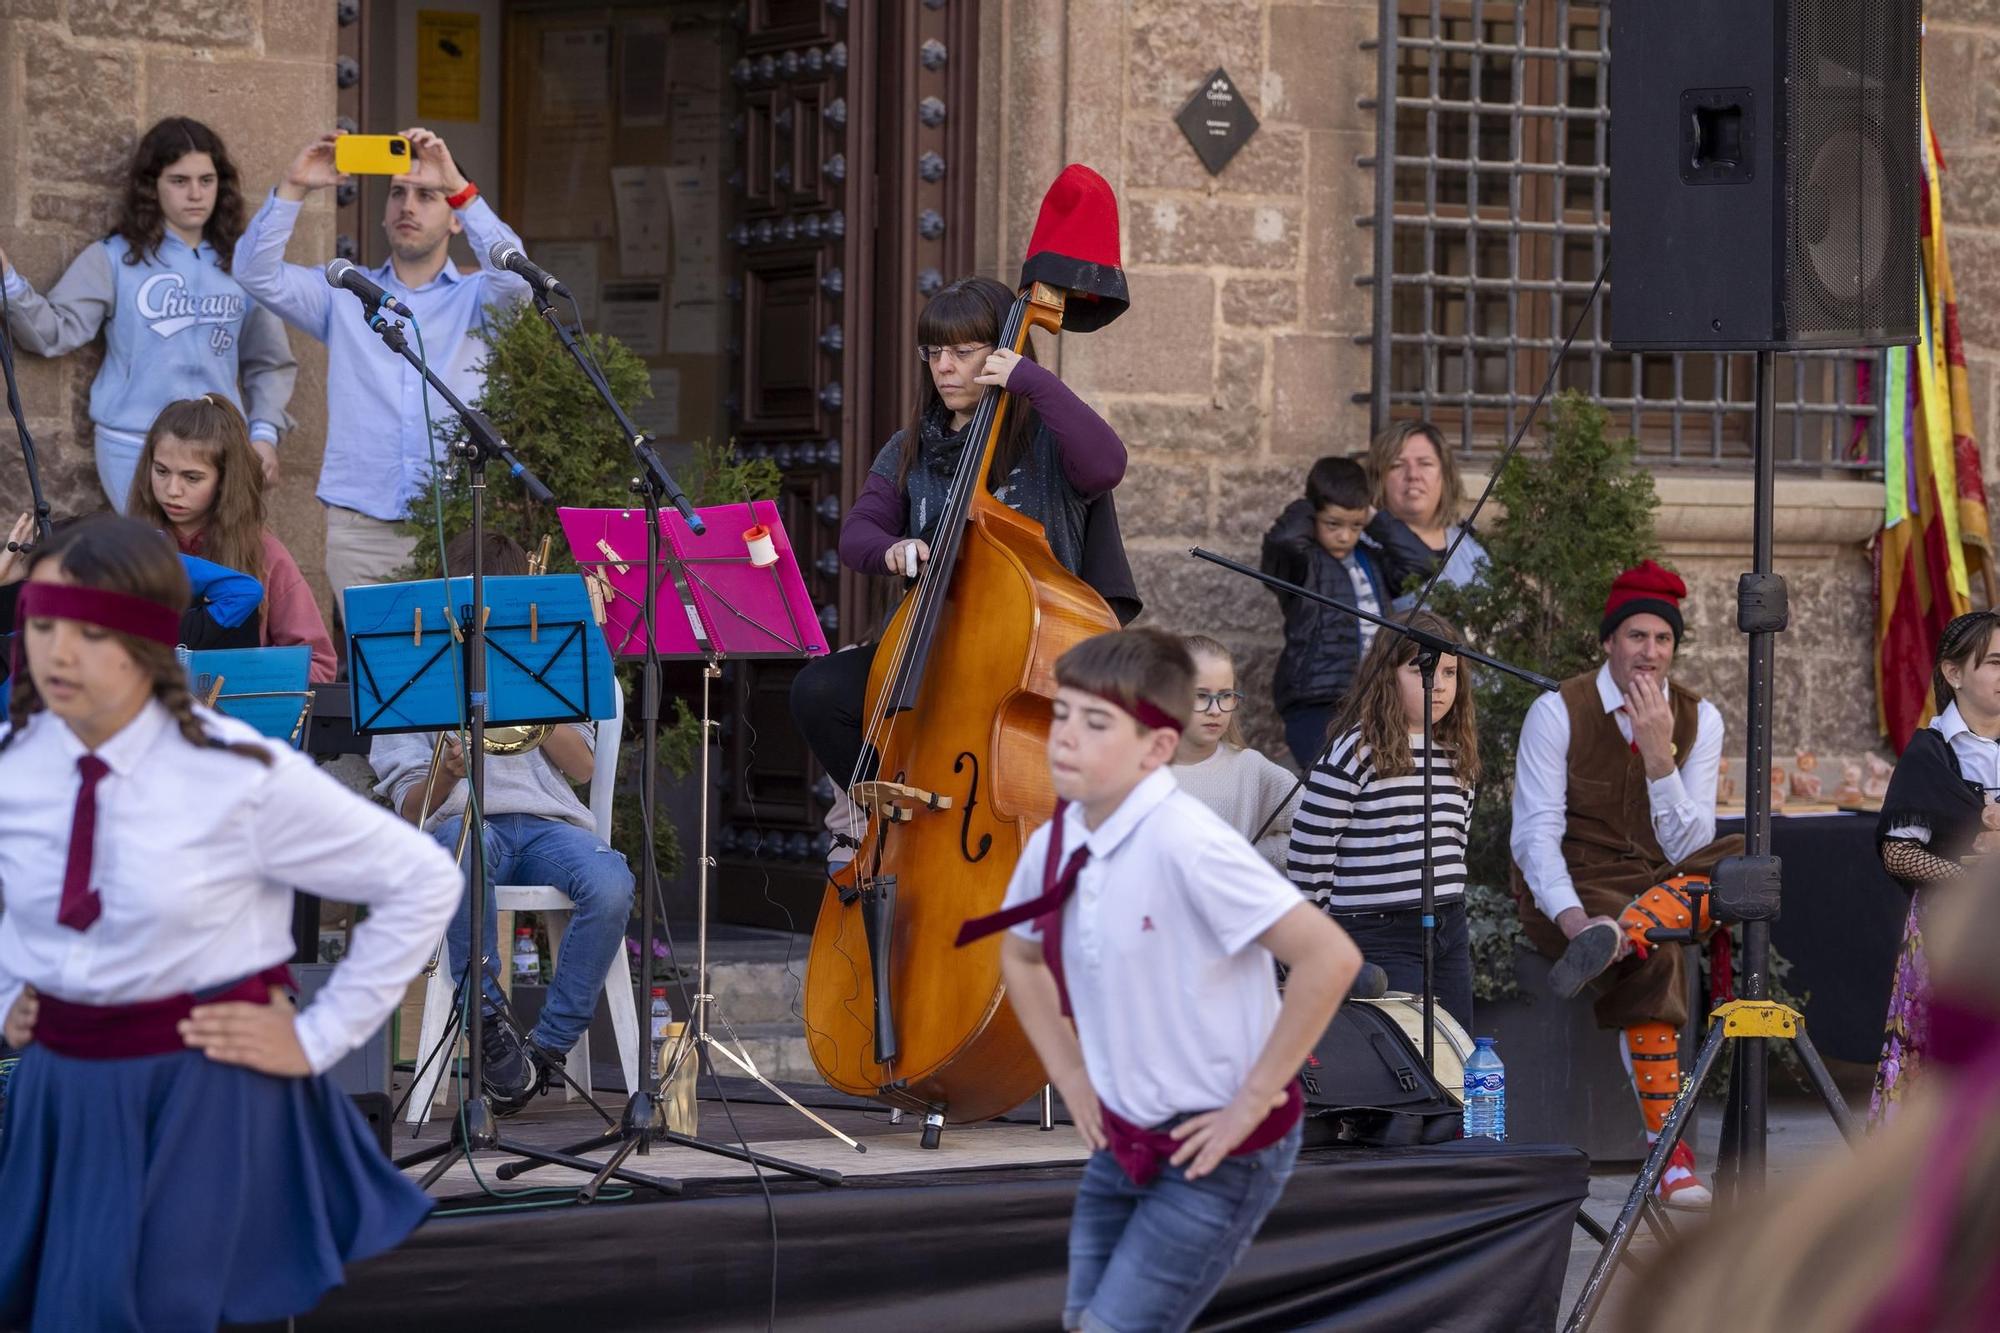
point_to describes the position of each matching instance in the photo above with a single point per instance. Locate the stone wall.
(1237, 364)
(80, 81)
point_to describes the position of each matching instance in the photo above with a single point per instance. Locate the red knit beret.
(1644, 589)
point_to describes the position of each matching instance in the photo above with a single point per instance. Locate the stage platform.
(1469, 1235)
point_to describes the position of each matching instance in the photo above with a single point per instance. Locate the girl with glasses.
(1216, 766)
(1056, 463)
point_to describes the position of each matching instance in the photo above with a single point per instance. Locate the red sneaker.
(1679, 1186)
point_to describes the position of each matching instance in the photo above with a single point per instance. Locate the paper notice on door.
(447, 65)
(660, 415)
(642, 73)
(575, 262)
(633, 313)
(574, 77)
(694, 323)
(643, 220)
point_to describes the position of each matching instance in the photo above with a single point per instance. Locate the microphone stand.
(1430, 648)
(644, 1119)
(29, 460)
(474, 1128)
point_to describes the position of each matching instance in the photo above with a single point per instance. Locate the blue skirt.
(169, 1192)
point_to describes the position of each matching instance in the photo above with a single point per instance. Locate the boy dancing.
(1140, 914)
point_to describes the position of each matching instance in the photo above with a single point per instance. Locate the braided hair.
(1963, 643)
(119, 555)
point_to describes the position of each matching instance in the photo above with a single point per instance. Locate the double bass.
(958, 711)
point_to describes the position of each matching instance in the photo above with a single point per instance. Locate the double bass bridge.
(896, 802)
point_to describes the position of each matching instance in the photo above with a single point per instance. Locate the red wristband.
(465, 196)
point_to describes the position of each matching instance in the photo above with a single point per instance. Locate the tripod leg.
(1836, 1105)
(454, 1153)
(1642, 1188)
(823, 1176)
(509, 1170)
(1595, 1230)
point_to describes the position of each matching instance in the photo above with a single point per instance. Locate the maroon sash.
(151, 1027)
(1142, 1152)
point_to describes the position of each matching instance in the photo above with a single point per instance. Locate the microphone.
(506, 255)
(343, 273)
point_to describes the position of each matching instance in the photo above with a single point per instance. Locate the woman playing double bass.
(1056, 462)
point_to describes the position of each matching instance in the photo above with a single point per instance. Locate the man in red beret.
(1614, 814)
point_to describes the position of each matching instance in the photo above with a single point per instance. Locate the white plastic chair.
(555, 907)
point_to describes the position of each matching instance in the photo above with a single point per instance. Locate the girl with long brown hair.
(1357, 840)
(200, 482)
(1057, 462)
(172, 1154)
(174, 318)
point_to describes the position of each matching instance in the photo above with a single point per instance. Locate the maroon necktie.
(80, 903)
(1056, 890)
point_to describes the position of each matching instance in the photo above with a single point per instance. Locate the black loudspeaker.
(1764, 173)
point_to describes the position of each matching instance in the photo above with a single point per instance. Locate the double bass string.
(934, 583)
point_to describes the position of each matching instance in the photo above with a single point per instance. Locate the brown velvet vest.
(1608, 838)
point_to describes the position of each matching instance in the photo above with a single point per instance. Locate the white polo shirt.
(1172, 995)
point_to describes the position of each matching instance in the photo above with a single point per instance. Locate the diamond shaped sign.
(1217, 121)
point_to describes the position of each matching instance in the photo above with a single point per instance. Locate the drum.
(1450, 1046)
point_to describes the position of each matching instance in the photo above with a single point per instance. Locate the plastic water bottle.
(663, 1018)
(1485, 1092)
(527, 959)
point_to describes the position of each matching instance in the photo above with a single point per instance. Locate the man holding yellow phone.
(378, 453)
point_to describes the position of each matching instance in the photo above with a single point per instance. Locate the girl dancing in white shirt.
(171, 1156)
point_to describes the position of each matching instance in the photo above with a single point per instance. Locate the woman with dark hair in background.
(176, 323)
(1055, 460)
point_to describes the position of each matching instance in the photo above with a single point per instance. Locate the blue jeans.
(527, 849)
(1148, 1260)
(1394, 942)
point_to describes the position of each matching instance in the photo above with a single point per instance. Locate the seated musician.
(1614, 814)
(1056, 462)
(537, 832)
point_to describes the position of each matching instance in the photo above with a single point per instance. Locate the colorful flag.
(1934, 510)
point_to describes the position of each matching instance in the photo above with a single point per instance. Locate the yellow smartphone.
(372, 154)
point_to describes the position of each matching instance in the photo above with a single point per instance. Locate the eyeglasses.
(1222, 701)
(928, 353)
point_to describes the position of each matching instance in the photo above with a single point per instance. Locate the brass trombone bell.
(499, 741)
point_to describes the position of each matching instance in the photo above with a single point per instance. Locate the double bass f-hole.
(958, 765)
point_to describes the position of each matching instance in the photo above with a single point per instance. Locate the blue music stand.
(545, 660)
(265, 687)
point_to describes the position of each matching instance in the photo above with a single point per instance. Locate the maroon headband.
(1147, 714)
(117, 611)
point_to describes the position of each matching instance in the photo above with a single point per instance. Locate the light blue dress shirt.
(378, 455)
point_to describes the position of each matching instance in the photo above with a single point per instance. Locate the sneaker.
(507, 1074)
(1593, 949)
(549, 1066)
(1679, 1187)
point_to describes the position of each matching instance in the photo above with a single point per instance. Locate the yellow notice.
(447, 65)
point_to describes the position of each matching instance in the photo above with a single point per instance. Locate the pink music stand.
(729, 607)
(716, 603)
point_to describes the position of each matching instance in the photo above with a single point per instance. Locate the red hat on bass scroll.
(1075, 247)
(1644, 589)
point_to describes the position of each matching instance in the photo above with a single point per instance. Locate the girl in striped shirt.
(1357, 839)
